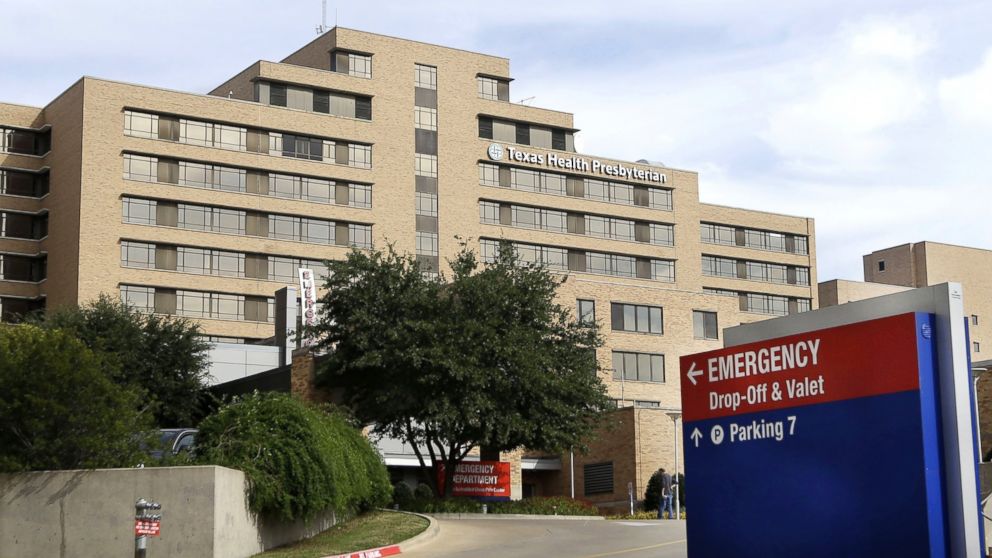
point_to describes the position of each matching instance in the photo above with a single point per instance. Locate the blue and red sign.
(824, 443)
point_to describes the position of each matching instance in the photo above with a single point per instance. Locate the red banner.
(831, 364)
(489, 479)
(372, 553)
(148, 528)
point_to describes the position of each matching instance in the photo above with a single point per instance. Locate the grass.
(372, 530)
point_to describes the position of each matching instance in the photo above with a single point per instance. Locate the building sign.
(485, 479)
(147, 527)
(825, 443)
(308, 301)
(496, 152)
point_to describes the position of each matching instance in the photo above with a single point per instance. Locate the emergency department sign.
(825, 443)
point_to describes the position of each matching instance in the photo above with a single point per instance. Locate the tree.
(58, 408)
(163, 357)
(488, 359)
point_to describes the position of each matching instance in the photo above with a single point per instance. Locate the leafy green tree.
(58, 408)
(487, 359)
(299, 460)
(163, 357)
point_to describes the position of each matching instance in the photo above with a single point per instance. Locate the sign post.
(828, 436)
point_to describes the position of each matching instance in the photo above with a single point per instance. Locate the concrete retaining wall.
(81, 514)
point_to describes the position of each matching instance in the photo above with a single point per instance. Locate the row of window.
(752, 238)
(26, 226)
(642, 318)
(208, 261)
(522, 133)
(235, 221)
(493, 88)
(231, 179)
(562, 259)
(23, 183)
(24, 142)
(562, 185)
(714, 266)
(17, 267)
(351, 63)
(763, 303)
(199, 304)
(314, 100)
(612, 228)
(236, 138)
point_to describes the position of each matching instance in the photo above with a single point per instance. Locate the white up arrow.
(692, 373)
(696, 435)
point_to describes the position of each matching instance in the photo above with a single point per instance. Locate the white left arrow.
(696, 435)
(692, 373)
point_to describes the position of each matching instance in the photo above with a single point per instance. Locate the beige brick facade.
(87, 188)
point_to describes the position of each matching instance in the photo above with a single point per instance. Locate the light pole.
(674, 415)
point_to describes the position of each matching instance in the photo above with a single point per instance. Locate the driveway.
(523, 538)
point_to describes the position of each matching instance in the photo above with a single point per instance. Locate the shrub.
(402, 495)
(423, 492)
(299, 460)
(652, 492)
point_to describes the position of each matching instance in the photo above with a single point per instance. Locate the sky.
(874, 117)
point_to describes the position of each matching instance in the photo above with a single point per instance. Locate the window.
(974, 319)
(139, 211)
(425, 76)
(976, 347)
(140, 125)
(662, 235)
(597, 478)
(719, 267)
(766, 304)
(636, 318)
(427, 243)
(704, 325)
(360, 236)
(360, 156)
(488, 174)
(493, 89)
(137, 167)
(638, 367)
(648, 404)
(881, 265)
(141, 299)
(717, 234)
(489, 212)
(17, 183)
(425, 118)
(425, 204)
(359, 65)
(425, 165)
(663, 270)
(137, 254)
(360, 195)
(586, 311)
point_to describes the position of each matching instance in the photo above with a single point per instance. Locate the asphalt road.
(524, 538)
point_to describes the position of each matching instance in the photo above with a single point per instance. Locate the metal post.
(630, 494)
(674, 415)
(571, 467)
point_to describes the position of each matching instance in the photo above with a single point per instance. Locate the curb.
(504, 516)
(427, 534)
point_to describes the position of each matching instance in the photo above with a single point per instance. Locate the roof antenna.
(525, 101)
(322, 28)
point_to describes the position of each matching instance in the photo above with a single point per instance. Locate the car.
(175, 441)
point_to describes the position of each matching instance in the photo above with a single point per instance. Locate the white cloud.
(968, 97)
(862, 82)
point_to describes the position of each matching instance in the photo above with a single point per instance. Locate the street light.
(674, 415)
